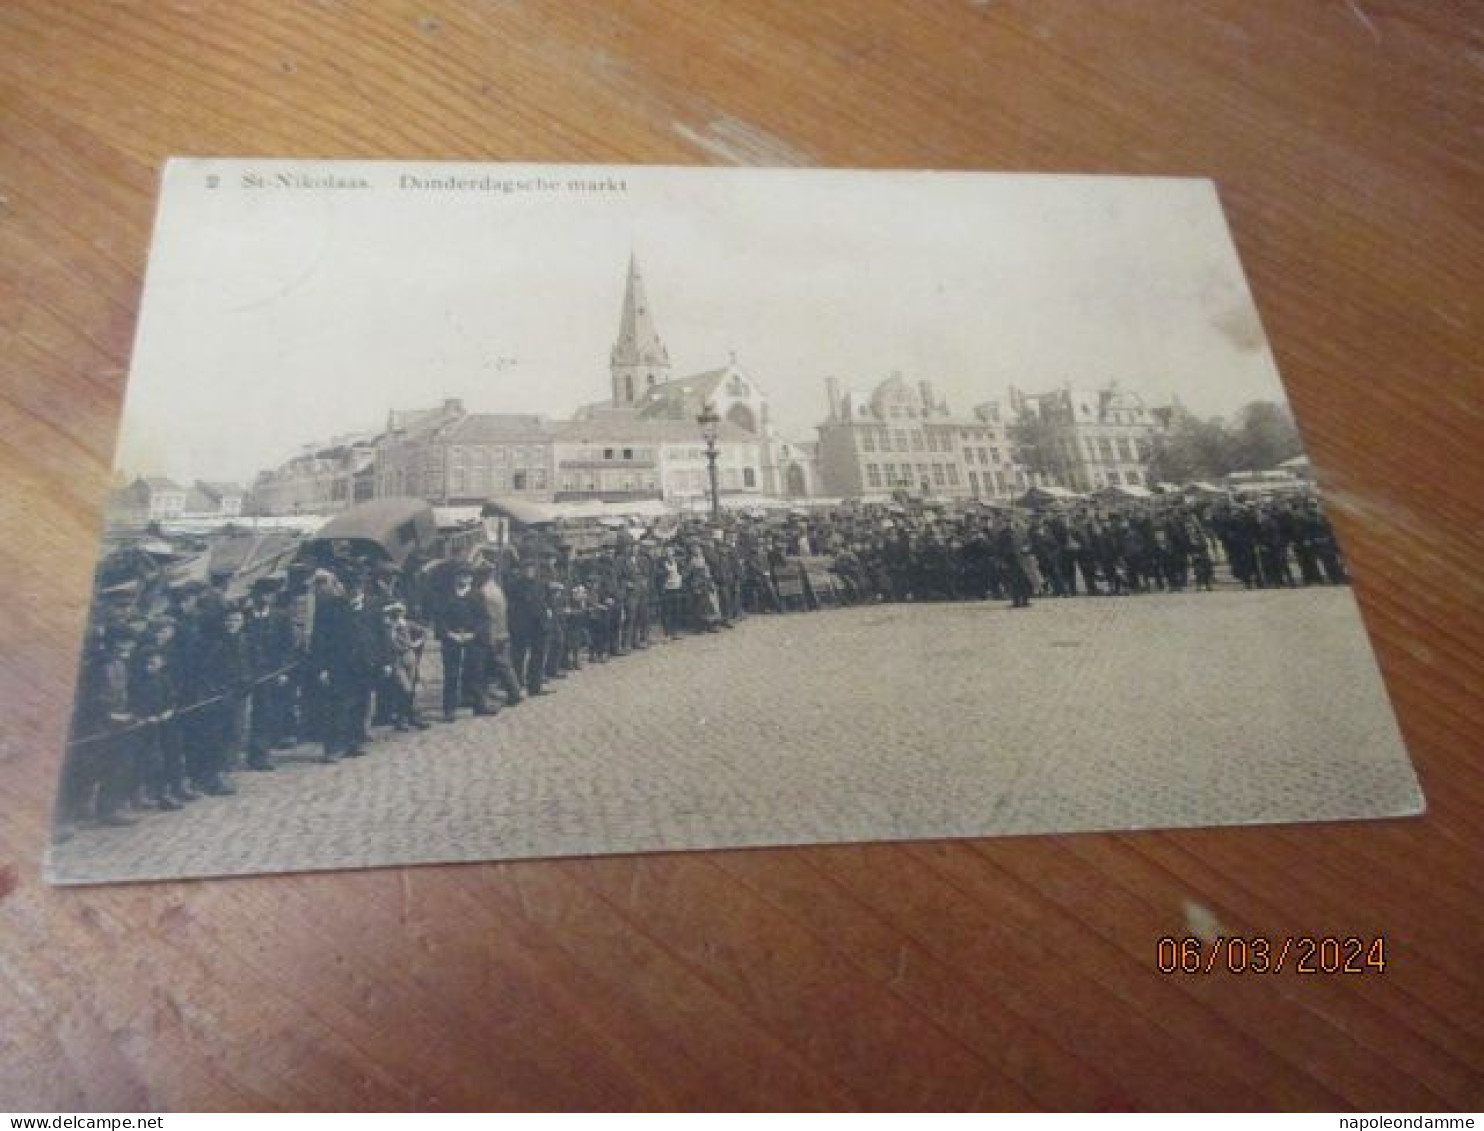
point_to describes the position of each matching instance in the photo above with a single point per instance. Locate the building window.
(974, 483)
(1133, 478)
(1124, 451)
(994, 454)
(952, 474)
(749, 477)
(456, 480)
(868, 440)
(628, 453)
(519, 481)
(1105, 448)
(939, 478)
(873, 474)
(916, 440)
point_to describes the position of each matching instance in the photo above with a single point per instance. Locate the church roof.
(684, 396)
(697, 382)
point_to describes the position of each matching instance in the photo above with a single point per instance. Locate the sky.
(282, 309)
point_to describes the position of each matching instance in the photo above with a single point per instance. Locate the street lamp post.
(710, 428)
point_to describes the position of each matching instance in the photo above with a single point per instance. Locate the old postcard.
(478, 512)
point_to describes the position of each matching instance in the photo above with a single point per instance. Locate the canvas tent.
(1040, 498)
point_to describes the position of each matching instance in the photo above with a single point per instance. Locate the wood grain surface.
(1346, 136)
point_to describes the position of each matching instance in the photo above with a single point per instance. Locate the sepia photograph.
(482, 512)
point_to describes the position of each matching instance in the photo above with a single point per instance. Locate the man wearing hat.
(721, 560)
(460, 622)
(1326, 547)
(382, 585)
(493, 642)
(530, 617)
(337, 664)
(98, 776)
(152, 703)
(224, 675)
(644, 591)
(270, 643)
(404, 648)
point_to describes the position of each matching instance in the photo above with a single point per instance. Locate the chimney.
(929, 405)
(832, 390)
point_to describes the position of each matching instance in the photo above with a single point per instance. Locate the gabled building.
(903, 437)
(485, 454)
(654, 418)
(450, 456)
(218, 500)
(324, 480)
(1086, 439)
(149, 498)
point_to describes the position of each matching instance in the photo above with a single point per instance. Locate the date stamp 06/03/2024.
(1261, 954)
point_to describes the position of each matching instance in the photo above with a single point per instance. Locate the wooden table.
(1346, 137)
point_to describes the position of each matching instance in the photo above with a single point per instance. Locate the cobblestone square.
(867, 723)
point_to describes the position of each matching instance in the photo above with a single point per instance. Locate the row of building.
(643, 442)
(153, 498)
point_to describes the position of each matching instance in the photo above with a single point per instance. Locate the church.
(640, 443)
(659, 412)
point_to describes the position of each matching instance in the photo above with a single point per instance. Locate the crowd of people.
(180, 687)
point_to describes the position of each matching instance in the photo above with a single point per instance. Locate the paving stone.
(879, 722)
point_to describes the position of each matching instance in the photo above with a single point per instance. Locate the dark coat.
(462, 614)
(223, 664)
(270, 640)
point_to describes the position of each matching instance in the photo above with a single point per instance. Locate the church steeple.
(639, 361)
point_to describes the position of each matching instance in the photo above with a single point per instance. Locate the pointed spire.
(638, 342)
(639, 360)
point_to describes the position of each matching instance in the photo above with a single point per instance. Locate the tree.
(1265, 436)
(1191, 449)
(1036, 443)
